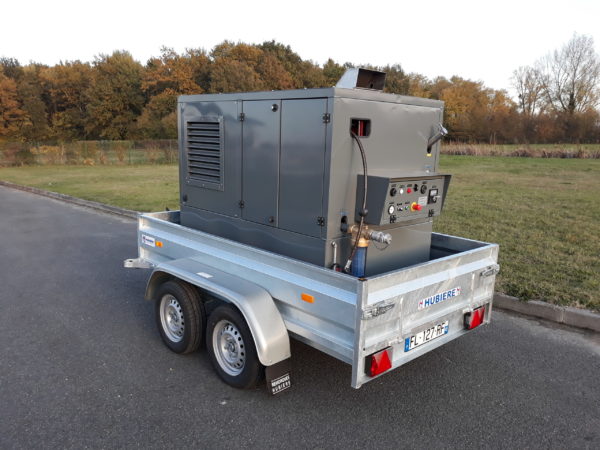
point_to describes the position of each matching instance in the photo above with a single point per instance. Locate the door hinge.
(241, 117)
(321, 221)
(241, 204)
(490, 271)
(376, 310)
(326, 118)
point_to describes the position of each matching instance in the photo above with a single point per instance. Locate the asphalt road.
(82, 365)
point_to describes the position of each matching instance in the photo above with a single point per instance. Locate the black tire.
(180, 316)
(238, 365)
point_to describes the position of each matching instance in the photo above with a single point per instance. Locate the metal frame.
(348, 318)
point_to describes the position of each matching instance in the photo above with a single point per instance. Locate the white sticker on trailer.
(148, 240)
(439, 297)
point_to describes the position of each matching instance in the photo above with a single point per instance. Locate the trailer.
(375, 324)
(278, 211)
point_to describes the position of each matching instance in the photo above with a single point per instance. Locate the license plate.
(425, 336)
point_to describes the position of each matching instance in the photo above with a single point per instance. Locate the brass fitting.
(369, 235)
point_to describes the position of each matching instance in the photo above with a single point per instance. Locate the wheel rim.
(171, 318)
(229, 347)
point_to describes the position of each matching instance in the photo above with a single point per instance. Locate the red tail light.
(475, 318)
(379, 362)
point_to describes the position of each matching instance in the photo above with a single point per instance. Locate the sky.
(479, 40)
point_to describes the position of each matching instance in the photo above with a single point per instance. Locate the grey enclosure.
(279, 170)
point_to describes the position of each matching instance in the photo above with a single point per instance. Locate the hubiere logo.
(438, 298)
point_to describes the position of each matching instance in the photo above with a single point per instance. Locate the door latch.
(490, 271)
(376, 310)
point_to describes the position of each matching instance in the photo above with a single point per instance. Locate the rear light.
(475, 318)
(379, 362)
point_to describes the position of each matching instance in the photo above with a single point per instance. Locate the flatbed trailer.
(204, 284)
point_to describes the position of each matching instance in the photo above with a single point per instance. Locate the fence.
(163, 151)
(585, 151)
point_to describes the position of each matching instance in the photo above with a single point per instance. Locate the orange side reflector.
(308, 298)
(159, 244)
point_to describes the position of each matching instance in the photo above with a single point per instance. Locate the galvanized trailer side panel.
(349, 318)
(326, 324)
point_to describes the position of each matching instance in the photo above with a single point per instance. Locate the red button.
(415, 207)
(408, 190)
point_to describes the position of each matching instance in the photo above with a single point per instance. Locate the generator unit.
(343, 177)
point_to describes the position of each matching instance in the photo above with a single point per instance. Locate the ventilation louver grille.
(204, 153)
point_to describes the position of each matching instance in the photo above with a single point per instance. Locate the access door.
(303, 131)
(260, 160)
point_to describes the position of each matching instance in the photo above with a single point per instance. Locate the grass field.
(141, 188)
(544, 213)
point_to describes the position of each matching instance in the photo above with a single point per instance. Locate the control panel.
(395, 200)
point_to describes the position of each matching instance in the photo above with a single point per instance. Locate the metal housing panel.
(281, 211)
(363, 94)
(260, 160)
(224, 200)
(410, 245)
(295, 245)
(301, 166)
(397, 143)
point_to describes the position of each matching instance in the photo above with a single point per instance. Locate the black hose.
(363, 212)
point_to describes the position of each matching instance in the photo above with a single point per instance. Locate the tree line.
(116, 97)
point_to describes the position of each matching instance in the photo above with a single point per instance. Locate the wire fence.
(565, 151)
(165, 151)
(159, 151)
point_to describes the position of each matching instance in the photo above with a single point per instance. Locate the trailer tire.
(180, 316)
(231, 348)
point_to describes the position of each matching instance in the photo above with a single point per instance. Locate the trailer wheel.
(231, 348)
(180, 316)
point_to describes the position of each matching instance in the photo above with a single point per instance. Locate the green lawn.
(544, 213)
(141, 188)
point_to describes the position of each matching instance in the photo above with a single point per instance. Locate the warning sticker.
(280, 384)
(148, 240)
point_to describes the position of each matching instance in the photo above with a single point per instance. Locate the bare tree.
(527, 83)
(570, 77)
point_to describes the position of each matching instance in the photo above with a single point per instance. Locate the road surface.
(82, 365)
